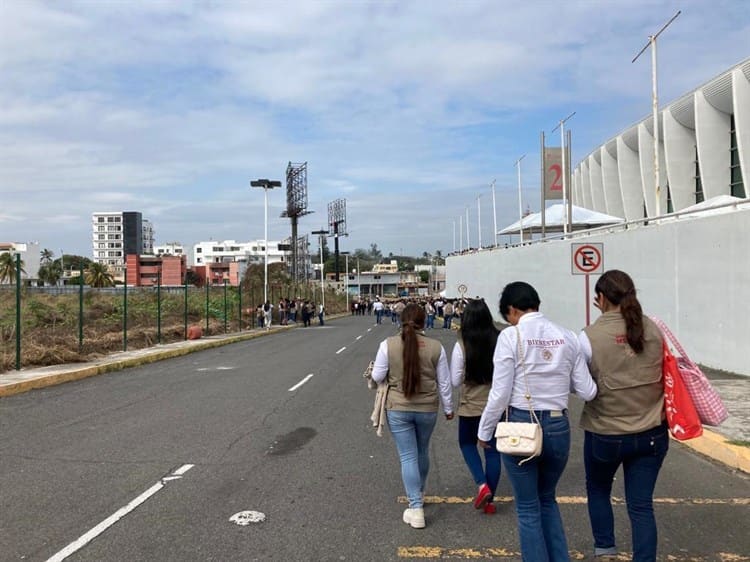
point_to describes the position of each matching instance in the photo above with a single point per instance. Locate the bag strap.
(672, 338)
(532, 414)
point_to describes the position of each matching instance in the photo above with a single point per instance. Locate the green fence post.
(239, 299)
(186, 308)
(18, 312)
(80, 309)
(158, 307)
(225, 305)
(125, 312)
(208, 285)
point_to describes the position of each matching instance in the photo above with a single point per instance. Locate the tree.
(8, 268)
(46, 256)
(98, 275)
(50, 273)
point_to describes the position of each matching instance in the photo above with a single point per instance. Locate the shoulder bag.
(707, 402)
(523, 439)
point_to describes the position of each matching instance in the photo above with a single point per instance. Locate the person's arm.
(457, 366)
(581, 381)
(444, 384)
(380, 368)
(504, 362)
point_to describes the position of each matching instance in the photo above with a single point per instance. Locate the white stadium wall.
(694, 273)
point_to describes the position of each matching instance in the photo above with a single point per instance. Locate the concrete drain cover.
(246, 517)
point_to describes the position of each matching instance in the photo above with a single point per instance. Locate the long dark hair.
(618, 288)
(479, 336)
(412, 320)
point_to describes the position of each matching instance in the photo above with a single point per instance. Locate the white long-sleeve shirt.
(458, 366)
(554, 368)
(380, 372)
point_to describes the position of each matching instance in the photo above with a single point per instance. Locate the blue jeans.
(534, 482)
(411, 431)
(447, 319)
(378, 316)
(489, 474)
(430, 321)
(641, 455)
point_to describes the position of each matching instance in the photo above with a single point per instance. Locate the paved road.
(200, 438)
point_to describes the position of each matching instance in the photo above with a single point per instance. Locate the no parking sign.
(587, 259)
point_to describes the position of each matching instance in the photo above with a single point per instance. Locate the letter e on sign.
(587, 259)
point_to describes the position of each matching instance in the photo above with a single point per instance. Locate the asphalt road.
(197, 439)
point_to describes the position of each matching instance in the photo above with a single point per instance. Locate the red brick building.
(143, 271)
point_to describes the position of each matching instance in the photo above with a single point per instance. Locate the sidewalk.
(718, 443)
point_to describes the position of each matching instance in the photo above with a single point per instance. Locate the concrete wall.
(693, 272)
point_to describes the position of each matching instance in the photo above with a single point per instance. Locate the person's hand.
(483, 444)
(449, 416)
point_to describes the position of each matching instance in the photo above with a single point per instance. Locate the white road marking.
(369, 329)
(340, 350)
(300, 383)
(359, 337)
(87, 537)
(244, 518)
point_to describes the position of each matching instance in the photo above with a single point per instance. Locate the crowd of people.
(288, 310)
(527, 371)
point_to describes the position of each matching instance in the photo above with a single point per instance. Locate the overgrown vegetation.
(50, 322)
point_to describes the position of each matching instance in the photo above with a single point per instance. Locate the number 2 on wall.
(556, 185)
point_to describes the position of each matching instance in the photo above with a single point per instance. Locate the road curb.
(720, 449)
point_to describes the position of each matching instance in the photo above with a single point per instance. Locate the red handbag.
(682, 417)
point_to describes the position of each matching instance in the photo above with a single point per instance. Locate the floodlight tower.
(296, 206)
(337, 224)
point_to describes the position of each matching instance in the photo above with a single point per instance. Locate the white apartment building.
(169, 249)
(231, 251)
(115, 234)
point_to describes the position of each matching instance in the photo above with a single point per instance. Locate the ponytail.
(412, 319)
(618, 288)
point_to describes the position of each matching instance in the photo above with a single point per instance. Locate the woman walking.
(625, 423)
(418, 377)
(471, 370)
(540, 360)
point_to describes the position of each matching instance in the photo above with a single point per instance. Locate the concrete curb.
(718, 448)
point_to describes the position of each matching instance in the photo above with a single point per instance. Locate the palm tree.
(97, 275)
(50, 273)
(8, 268)
(46, 256)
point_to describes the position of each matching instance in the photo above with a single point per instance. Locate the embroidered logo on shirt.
(546, 355)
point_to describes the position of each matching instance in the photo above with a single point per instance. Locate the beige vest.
(473, 396)
(630, 398)
(426, 400)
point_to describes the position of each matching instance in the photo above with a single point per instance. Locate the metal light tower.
(494, 215)
(321, 234)
(337, 224)
(266, 184)
(296, 206)
(655, 107)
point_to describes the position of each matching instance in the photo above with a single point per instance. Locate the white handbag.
(523, 439)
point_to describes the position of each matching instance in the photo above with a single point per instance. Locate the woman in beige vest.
(471, 370)
(625, 422)
(416, 369)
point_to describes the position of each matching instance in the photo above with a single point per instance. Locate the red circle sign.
(587, 258)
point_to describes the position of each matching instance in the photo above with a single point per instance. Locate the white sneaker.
(414, 516)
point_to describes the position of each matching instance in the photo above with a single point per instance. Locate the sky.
(407, 110)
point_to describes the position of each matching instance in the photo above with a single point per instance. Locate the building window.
(199, 250)
(100, 219)
(736, 185)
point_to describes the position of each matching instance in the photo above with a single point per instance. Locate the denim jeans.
(430, 322)
(489, 474)
(447, 319)
(411, 431)
(378, 316)
(641, 455)
(534, 482)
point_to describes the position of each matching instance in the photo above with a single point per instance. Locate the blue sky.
(408, 110)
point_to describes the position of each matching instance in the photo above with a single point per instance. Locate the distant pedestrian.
(260, 315)
(471, 371)
(378, 308)
(624, 424)
(447, 315)
(267, 314)
(416, 368)
(429, 309)
(321, 313)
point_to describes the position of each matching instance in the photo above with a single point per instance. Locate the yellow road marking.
(417, 552)
(582, 500)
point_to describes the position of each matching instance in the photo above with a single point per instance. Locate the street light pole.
(321, 234)
(520, 200)
(563, 150)
(494, 215)
(479, 221)
(346, 287)
(655, 107)
(266, 184)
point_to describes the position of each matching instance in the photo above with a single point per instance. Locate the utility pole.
(563, 150)
(520, 200)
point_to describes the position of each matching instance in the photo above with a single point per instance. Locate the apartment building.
(170, 249)
(115, 234)
(147, 271)
(212, 252)
(30, 256)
